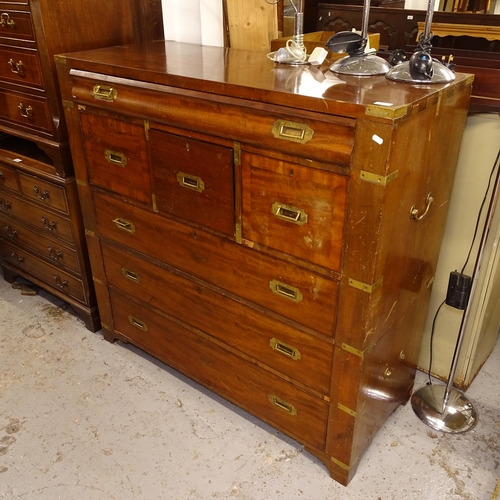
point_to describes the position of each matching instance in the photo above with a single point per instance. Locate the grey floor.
(84, 419)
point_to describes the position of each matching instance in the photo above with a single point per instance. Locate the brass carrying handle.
(285, 349)
(282, 404)
(5, 20)
(138, 323)
(414, 211)
(104, 93)
(289, 213)
(115, 157)
(16, 68)
(190, 181)
(123, 224)
(284, 290)
(25, 112)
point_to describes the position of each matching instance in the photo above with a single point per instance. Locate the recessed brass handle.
(127, 273)
(16, 68)
(5, 20)
(104, 93)
(123, 224)
(42, 196)
(283, 290)
(292, 131)
(289, 213)
(138, 323)
(190, 181)
(282, 404)
(414, 211)
(285, 349)
(25, 112)
(115, 157)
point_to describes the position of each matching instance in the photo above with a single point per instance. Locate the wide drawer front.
(193, 180)
(57, 278)
(251, 387)
(60, 254)
(326, 141)
(299, 356)
(44, 192)
(26, 110)
(17, 25)
(39, 217)
(8, 178)
(293, 292)
(294, 209)
(20, 66)
(117, 156)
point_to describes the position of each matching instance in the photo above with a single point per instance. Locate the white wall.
(193, 21)
(420, 4)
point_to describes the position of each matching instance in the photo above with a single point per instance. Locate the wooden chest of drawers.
(270, 233)
(41, 230)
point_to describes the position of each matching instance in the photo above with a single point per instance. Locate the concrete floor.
(83, 419)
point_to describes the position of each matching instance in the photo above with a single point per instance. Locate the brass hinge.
(380, 180)
(238, 233)
(364, 286)
(352, 350)
(96, 280)
(347, 410)
(155, 206)
(88, 232)
(106, 327)
(146, 129)
(79, 182)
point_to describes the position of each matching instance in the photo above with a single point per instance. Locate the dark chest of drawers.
(41, 231)
(269, 231)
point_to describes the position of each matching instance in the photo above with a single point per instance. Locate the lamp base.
(364, 65)
(458, 416)
(440, 74)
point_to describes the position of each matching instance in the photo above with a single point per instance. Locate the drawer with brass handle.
(16, 24)
(46, 193)
(280, 346)
(294, 209)
(51, 275)
(116, 154)
(8, 178)
(20, 66)
(222, 263)
(57, 252)
(263, 393)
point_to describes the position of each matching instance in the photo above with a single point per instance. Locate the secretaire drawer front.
(298, 355)
(8, 178)
(294, 209)
(293, 292)
(59, 254)
(41, 218)
(16, 25)
(193, 180)
(255, 389)
(26, 111)
(57, 278)
(329, 141)
(117, 156)
(20, 66)
(46, 193)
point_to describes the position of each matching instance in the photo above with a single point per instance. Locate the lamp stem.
(475, 275)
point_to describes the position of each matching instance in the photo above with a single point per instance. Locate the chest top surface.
(250, 75)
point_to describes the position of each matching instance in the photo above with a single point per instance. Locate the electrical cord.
(466, 261)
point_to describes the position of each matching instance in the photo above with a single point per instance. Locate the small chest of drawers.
(41, 235)
(251, 226)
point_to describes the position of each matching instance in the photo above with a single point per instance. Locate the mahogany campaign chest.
(41, 230)
(271, 232)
